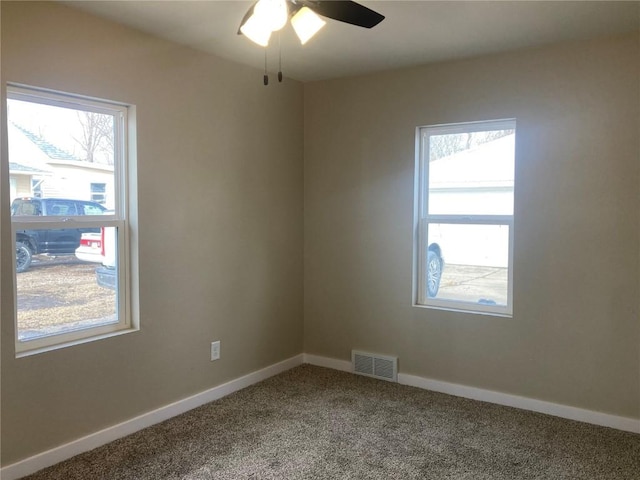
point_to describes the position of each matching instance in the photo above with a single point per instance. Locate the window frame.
(124, 179)
(422, 219)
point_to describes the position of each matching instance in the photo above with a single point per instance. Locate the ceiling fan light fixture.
(306, 24)
(272, 13)
(256, 30)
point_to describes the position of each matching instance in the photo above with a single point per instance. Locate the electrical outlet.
(215, 350)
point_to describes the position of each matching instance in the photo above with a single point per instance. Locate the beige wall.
(220, 226)
(574, 338)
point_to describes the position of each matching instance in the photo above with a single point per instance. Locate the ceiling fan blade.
(346, 11)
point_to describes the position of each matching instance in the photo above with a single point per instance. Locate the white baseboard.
(524, 403)
(333, 363)
(51, 457)
(540, 406)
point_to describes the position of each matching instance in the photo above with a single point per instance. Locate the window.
(63, 208)
(464, 216)
(99, 192)
(36, 188)
(74, 279)
(91, 208)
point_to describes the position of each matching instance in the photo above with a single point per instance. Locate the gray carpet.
(315, 423)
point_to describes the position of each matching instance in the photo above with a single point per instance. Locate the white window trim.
(123, 219)
(422, 219)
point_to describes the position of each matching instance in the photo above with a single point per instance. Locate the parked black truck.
(56, 241)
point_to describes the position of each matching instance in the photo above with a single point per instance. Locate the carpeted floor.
(315, 423)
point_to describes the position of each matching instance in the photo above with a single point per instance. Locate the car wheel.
(434, 273)
(23, 257)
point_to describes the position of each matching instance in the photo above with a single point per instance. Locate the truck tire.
(434, 273)
(23, 257)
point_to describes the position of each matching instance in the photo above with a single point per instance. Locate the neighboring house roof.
(100, 167)
(47, 147)
(30, 151)
(57, 173)
(18, 168)
(22, 151)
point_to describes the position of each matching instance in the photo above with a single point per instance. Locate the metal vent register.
(376, 366)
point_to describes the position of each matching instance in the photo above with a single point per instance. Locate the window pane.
(476, 259)
(59, 152)
(60, 294)
(471, 173)
(91, 209)
(63, 208)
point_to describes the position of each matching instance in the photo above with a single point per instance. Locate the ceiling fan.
(268, 16)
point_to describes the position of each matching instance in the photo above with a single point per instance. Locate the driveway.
(470, 283)
(61, 293)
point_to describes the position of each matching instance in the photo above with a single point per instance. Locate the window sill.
(58, 346)
(464, 310)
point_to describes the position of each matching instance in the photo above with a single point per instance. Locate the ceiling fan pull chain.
(265, 79)
(279, 59)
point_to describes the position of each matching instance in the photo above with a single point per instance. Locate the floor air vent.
(377, 366)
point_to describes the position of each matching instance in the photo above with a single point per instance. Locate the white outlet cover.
(215, 350)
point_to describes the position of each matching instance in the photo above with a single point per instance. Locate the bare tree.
(96, 135)
(441, 146)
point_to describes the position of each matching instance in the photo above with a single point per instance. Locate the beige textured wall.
(574, 337)
(220, 177)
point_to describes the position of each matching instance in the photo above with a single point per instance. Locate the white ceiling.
(413, 33)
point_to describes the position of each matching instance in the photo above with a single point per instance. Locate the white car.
(106, 274)
(90, 249)
(100, 248)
